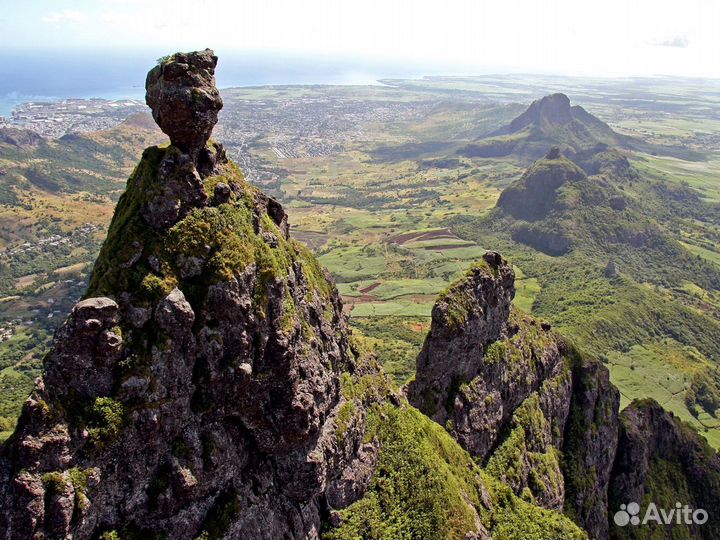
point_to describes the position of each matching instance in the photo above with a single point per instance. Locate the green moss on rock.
(223, 241)
(459, 297)
(516, 519)
(426, 486)
(105, 419)
(221, 515)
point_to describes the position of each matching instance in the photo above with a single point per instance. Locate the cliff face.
(661, 460)
(196, 389)
(519, 398)
(543, 418)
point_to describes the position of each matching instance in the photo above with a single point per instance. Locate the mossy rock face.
(426, 486)
(527, 461)
(469, 315)
(525, 403)
(208, 350)
(663, 461)
(248, 288)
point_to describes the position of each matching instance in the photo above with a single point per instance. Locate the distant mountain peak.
(548, 122)
(554, 108)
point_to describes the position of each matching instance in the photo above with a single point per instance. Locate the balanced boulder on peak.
(183, 97)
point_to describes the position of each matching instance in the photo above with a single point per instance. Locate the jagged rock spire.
(183, 97)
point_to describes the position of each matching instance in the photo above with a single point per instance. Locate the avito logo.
(629, 514)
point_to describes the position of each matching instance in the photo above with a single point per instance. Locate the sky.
(564, 37)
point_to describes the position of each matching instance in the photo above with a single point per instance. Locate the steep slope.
(517, 397)
(198, 294)
(93, 162)
(555, 207)
(662, 461)
(543, 418)
(548, 121)
(56, 200)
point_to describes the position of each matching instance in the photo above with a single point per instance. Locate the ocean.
(52, 75)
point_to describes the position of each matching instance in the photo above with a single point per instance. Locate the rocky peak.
(543, 417)
(196, 390)
(552, 109)
(534, 195)
(512, 393)
(554, 153)
(184, 100)
(662, 460)
(549, 121)
(465, 320)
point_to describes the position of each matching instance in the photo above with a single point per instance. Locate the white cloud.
(66, 15)
(680, 41)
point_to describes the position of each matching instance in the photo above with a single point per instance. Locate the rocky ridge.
(544, 418)
(508, 389)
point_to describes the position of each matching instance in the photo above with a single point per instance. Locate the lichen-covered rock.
(178, 190)
(465, 320)
(590, 444)
(88, 349)
(183, 97)
(196, 391)
(519, 398)
(193, 394)
(664, 461)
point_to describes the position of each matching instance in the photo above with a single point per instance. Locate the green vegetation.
(104, 418)
(104, 421)
(345, 416)
(529, 429)
(221, 515)
(495, 352)
(427, 487)
(222, 237)
(704, 391)
(516, 519)
(665, 371)
(54, 483)
(394, 341)
(132, 533)
(14, 388)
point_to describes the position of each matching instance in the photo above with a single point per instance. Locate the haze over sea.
(51, 75)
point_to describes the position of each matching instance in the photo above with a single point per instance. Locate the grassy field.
(663, 371)
(702, 176)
